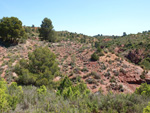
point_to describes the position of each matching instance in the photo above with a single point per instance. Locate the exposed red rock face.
(135, 55)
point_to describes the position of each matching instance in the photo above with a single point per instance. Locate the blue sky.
(90, 17)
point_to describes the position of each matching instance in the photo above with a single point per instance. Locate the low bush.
(95, 75)
(99, 52)
(146, 64)
(94, 57)
(91, 81)
(84, 69)
(112, 79)
(116, 73)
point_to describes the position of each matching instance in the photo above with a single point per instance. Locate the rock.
(14, 74)
(57, 79)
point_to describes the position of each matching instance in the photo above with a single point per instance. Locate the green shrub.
(16, 93)
(76, 70)
(112, 79)
(91, 81)
(99, 52)
(95, 75)
(65, 83)
(116, 73)
(107, 74)
(84, 69)
(67, 90)
(39, 70)
(123, 71)
(147, 109)
(4, 104)
(9, 96)
(146, 64)
(94, 57)
(144, 89)
(42, 90)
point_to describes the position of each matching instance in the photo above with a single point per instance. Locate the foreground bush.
(68, 90)
(144, 89)
(32, 101)
(147, 109)
(9, 96)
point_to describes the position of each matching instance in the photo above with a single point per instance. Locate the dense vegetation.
(68, 99)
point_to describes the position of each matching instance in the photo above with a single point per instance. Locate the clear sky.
(90, 17)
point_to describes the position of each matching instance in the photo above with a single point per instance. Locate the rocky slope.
(109, 73)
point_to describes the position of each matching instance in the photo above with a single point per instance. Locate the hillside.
(134, 47)
(109, 73)
(118, 72)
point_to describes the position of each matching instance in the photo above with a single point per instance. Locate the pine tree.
(46, 31)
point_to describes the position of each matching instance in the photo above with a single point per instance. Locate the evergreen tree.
(33, 26)
(46, 31)
(124, 34)
(39, 70)
(11, 29)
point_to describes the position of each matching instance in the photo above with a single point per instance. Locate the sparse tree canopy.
(11, 29)
(46, 31)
